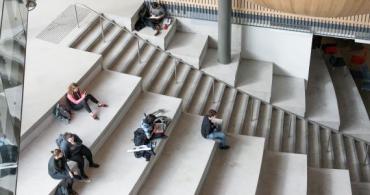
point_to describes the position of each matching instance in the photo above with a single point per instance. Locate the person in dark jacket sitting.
(58, 169)
(210, 130)
(74, 150)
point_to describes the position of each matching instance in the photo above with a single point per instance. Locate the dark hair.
(149, 119)
(212, 113)
(155, 4)
(56, 152)
(68, 135)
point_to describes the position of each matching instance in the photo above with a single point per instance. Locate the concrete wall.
(289, 51)
(211, 29)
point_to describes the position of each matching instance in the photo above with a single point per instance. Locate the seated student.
(58, 169)
(210, 130)
(74, 150)
(156, 15)
(79, 100)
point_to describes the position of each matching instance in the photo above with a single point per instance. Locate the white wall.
(289, 51)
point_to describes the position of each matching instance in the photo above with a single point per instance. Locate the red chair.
(331, 50)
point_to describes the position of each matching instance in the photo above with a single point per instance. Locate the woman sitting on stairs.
(78, 100)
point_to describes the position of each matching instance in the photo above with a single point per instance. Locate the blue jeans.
(218, 136)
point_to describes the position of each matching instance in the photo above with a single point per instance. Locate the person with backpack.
(58, 169)
(79, 99)
(74, 150)
(210, 130)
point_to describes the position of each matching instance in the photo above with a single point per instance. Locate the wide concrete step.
(178, 80)
(255, 78)
(184, 161)
(120, 172)
(322, 103)
(328, 182)
(360, 188)
(237, 170)
(224, 72)
(71, 66)
(32, 175)
(283, 174)
(163, 39)
(289, 94)
(189, 47)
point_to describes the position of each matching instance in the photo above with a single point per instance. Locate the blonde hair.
(72, 87)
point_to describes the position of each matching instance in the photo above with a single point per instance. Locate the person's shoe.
(94, 116)
(94, 165)
(102, 105)
(225, 147)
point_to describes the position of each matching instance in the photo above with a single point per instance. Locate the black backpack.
(64, 189)
(9, 154)
(62, 111)
(140, 137)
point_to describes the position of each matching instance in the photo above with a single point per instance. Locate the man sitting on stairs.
(211, 130)
(74, 150)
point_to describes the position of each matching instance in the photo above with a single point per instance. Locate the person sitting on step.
(78, 100)
(211, 130)
(59, 169)
(74, 150)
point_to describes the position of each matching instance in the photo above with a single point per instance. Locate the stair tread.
(93, 36)
(176, 84)
(109, 39)
(283, 174)
(214, 102)
(31, 171)
(255, 78)
(183, 161)
(200, 95)
(117, 49)
(328, 182)
(236, 167)
(360, 188)
(113, 154)
(164, 76)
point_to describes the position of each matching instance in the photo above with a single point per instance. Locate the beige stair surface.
(235, 171)
(71, 66)
(283, 174)
(360, 188)
(255, 78)
(189, 47)
(322, 103)
(163, 39)
(32, 172)
(328, 182)
(184, 161)
(289, 94)
(121, 172)
(223, 72)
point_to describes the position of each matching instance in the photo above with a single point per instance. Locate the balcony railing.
(247, 13)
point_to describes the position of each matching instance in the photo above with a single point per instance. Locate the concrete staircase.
(186, 163)
(242, 113)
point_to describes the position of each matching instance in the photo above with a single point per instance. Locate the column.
(224, 31)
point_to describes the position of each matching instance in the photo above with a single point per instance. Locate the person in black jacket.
(58, 169)
(74, 150)
(210, 130)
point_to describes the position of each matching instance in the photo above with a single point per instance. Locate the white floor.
(289, 94)
(224, 72)
(322, 103)
(255, 78)
(47, 81)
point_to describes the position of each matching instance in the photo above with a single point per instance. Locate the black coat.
(58, 169)
(207, 127)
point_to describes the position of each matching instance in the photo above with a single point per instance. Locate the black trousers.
(79, 159)
(84, 104)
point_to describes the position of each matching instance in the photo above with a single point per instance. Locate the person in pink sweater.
(79, 99)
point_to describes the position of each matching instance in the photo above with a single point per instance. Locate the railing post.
(328, 145)
(213, 91)
(290, 126)
(76, 15)
(138, 50)
(176, 62)
(367, 154)
(102, 28)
